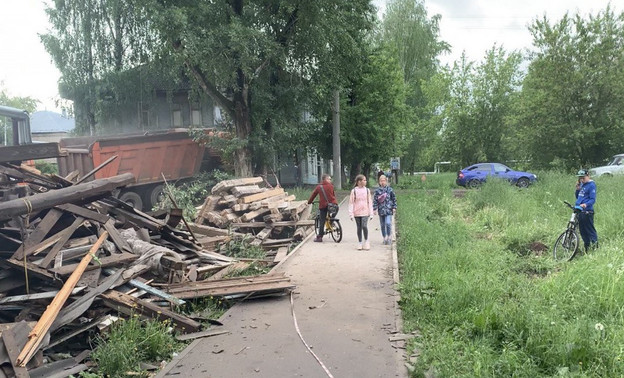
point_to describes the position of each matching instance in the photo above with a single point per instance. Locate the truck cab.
(17, 146)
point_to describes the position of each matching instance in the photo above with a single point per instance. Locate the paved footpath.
(345, 307)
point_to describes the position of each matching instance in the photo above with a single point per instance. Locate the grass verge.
(479, 283)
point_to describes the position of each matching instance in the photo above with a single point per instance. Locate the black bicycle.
(567, 244)
(331, 224)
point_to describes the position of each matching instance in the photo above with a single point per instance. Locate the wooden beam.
(226, 185)
(47, 318)
(82, 193)
(29, 152)
(260, 196)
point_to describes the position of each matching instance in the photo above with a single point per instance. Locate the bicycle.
(567, 244)
(332, 226)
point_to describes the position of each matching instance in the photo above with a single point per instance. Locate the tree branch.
(211, 90)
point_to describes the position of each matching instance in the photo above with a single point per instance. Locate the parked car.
(615, 167)
(475, 175)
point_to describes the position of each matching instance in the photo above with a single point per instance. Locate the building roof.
(50, 122)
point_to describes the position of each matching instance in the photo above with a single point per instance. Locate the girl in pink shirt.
(360, 209)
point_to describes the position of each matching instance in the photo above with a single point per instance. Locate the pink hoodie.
(360, 202)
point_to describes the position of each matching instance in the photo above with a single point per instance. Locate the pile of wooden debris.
(273, 216)
(72, 256)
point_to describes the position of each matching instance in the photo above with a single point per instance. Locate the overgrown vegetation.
(130, 342)
(192, 193)
(489, 300)
(46, 168)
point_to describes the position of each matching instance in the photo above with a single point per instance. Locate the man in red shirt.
(325, 191)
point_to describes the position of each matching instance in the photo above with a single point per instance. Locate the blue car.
(475, 175)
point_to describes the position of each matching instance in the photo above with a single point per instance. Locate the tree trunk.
(242, 122)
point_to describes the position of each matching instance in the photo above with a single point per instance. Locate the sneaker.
(359, 247)
(318, 239)
(367, 245)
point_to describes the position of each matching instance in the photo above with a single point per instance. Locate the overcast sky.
(471, 25)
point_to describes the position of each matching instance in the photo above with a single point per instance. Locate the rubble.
(72, 256)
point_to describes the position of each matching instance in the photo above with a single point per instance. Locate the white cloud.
(474, 26)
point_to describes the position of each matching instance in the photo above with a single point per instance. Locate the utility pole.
(337, 165)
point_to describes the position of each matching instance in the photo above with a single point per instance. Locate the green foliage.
(206, 308)
(239, 247)
(46, 168)
(413, 39)
(479, 282)
(192, 193)
(375, 121)
(133, 341)
(92, 39)
(571, 111)
(265, 63)
(468, 107)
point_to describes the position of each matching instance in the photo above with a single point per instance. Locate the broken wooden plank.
(130, 306)
(47, 318)
(260, 196)
(40, 232)
(84, 212)
(281, 254)
(36, 296)
(121, 244)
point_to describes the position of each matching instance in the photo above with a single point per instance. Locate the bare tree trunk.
(242, 122)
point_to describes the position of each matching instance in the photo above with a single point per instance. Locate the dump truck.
(148, 156)
(16, 147)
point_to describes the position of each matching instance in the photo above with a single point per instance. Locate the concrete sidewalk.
(346, 308)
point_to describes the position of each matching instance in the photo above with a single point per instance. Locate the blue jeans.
(385, 221)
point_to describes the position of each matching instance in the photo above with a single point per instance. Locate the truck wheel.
(132, 199)
(156, 194)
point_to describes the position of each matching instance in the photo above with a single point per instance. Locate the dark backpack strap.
(324, 195)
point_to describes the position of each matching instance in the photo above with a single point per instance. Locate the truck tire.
(132, 199)
(155, 195)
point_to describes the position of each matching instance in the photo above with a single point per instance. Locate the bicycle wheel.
(566, 245)
(336, 230)
(317, 225)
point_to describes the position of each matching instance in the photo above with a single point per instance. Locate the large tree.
(243, 53)
(92, 39)
(571, 111)
(376, 123)
(414, 37)
(469, 106)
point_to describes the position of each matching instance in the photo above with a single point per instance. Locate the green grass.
(131, 342)
(490, 302)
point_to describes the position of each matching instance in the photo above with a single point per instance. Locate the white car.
(615, 167)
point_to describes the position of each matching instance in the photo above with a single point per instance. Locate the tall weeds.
(479, 283)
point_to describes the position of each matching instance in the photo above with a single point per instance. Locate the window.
(177, 118)
(500, 168)
(196, 117)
